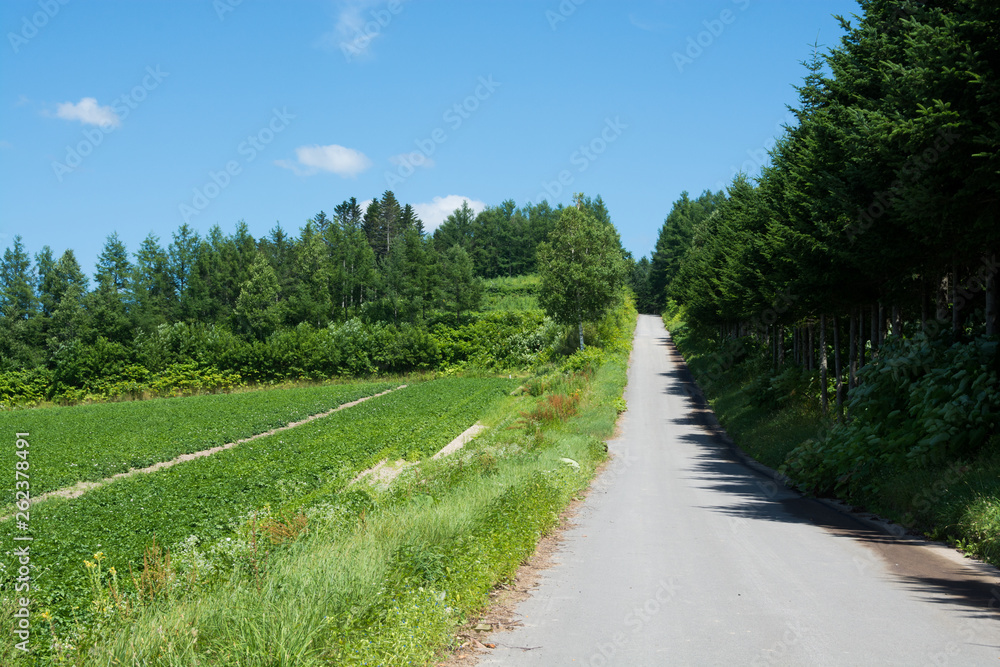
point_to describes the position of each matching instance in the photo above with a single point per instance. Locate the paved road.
(683, 556)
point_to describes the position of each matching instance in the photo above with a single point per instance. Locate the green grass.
(206, 496)
(386, 577)
(94, 442)
(766, 436)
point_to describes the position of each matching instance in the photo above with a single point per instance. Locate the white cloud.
(345, 162)
(88, 112)
(414, 159)
(434, 213)
(351, 19)
(359, 23)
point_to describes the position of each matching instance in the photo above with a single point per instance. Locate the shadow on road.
(926, 573)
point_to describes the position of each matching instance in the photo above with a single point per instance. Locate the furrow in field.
(95, 443)
(81, 488)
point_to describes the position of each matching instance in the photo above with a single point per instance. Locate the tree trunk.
(991, 297)
(861, 340)
(881, 324)
(774, 346)
(955, 320)
(838, 369)
(822, 364)
(924, 303)
(942, 299)
(874, 328)
(581, 334)
(811, 349)
(852, 352)
(781, 346)
(897, 322)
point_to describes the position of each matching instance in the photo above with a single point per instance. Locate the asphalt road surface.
(681, 555)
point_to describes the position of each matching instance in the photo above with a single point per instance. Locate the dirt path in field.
(459, 442)
(81, 488)
(383, 473)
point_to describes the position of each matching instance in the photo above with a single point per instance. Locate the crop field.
(93, 442)
(208, 497)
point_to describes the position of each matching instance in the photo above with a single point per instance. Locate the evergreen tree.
(309, 297)
(258, 310)
(408, 220)
(18, 304)
(461, 288)
(151, 284)
(70, 321)
(182, 254)
(278, 247)
(456, 229)
(371, 224)
(675, 240)
(17, 283)
(640, 284)
(110, 304)
(391, 212)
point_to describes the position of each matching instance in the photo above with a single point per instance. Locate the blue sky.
(134, 117)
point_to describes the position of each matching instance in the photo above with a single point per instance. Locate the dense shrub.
(921, 402)
(24, 387)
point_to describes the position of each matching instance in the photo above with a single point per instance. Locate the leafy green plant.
(208, 497)
(92, 442)
(921, 402)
